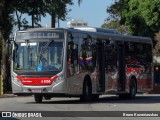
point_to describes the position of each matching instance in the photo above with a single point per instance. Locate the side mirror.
(14, 51)
(14, 56)
(10, 40)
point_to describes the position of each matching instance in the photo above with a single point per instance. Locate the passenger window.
(111, 56)
(72, 53)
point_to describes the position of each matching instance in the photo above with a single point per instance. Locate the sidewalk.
(8, 95)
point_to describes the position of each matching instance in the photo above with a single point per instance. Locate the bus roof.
(94, 29)
(113, 36)
(101, 33)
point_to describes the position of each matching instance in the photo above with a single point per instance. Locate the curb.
(8, 95)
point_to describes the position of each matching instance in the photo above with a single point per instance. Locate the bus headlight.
(15, 79)
(59, 78)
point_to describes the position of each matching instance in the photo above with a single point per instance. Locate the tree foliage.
(39, 8)
(114, 24)
(6, 24)
(34, 8)
(6, 18)
(114, 20)
(58, 9)
(141, 16)
(157, 46)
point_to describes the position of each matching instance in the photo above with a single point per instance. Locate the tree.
(79, 2)
(141, 16)
(33, 8)
(6, 24)
(59, 9)
(38, 8)
(157, 46)
(114, 24)
(114, 20)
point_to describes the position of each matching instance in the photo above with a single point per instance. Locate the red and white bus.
(80, 63)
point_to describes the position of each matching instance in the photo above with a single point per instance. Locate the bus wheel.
(123, 96)
(38, 98)
(95, 97)
(87, 91)
(133, 89)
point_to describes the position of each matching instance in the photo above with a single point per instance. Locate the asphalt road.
(107, 106)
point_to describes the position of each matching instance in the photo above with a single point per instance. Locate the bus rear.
(38, 62)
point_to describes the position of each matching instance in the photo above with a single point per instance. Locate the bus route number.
(45, 81)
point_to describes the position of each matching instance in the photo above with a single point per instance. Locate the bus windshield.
(38, 56)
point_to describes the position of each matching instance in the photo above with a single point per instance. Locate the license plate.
(36, 91)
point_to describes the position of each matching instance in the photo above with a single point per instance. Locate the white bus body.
(80, 63)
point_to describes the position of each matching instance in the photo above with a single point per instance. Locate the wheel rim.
(38, 98)
(133, 89)
(87, 90)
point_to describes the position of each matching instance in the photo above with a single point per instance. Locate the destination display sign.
(39, 35)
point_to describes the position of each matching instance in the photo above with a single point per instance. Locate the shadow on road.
(149, 99)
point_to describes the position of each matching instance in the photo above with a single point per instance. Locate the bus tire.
(133, 89)
(87, 91)
(38, 98)
(123, 96)
(95, 97)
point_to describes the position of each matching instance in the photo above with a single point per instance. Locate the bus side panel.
(76, 67)
(74, 80)
(111, 66)
(139, 64)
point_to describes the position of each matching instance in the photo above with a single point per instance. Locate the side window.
(148, 50)
(72, 57)
(72, 53)
(111, 55)
(138, 55)
(139, 52)
(133, 54)
(85, 54)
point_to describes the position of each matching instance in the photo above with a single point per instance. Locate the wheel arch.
(87, 78)
(133, 78)
(86, 89)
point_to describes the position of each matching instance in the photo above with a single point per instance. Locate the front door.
(121, 67)
(101, 66)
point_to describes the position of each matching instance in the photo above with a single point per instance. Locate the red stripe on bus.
(37, 81)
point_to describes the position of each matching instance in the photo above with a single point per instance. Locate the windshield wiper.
(29, 53)
(43, 50)
(45, 47)
(15, 51)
